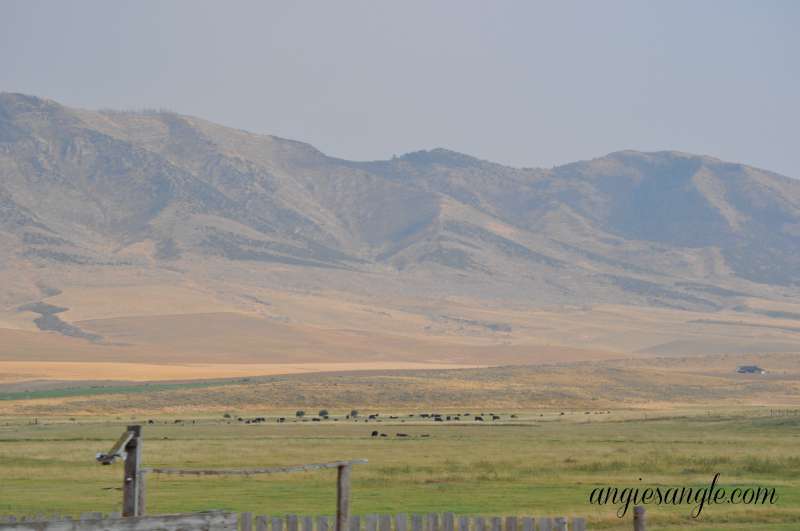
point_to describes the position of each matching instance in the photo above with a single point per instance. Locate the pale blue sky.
(522, 83)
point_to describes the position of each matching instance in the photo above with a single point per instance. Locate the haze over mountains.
(133, 215)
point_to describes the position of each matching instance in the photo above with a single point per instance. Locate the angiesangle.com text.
(698, 497)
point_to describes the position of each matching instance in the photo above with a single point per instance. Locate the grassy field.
(541, 462)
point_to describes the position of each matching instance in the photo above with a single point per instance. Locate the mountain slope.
(100, 198)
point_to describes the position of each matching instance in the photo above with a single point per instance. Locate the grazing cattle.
(438, 419)
(383, 435)
(372, 417)
(178, 421)
(401, 434)
(151, 421)
(495, 417)
(315, 419)
(513, 416)
(479, 419)
(424, 415)
(375, 433)
(281, 419)
(447, 417)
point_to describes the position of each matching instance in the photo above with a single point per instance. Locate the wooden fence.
(413, 522)
(225, 521)
(207, 521)
(129, 448)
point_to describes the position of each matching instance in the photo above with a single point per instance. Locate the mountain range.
(111, 215)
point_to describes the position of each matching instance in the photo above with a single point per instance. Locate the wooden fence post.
(132, 494)
(639, 523)
(401, 522)
(246, 522)
(416, 522)
(342, 497)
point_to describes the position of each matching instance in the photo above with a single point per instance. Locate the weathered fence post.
(342, 497)
(416, 522)
(246, 522)
(385, 522)
(639, 523)
(401, 522)
(132, 493)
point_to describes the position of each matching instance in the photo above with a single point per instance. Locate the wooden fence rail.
(208, 521)
(413, 522)
(222, 521)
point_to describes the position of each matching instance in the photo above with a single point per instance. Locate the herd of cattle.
(376, 417)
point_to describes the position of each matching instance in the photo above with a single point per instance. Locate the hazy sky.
(517, 82)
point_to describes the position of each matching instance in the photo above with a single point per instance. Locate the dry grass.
(662, 383)
(185, 323)
(20, 371)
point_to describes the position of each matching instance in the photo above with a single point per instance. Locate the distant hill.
(156, 197)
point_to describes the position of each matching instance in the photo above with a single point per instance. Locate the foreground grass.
(533, 464)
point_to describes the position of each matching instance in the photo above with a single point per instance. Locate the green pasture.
(534, 464)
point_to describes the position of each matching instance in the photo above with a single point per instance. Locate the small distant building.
(750, 369)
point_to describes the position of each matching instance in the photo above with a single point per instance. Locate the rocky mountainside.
(160, 192)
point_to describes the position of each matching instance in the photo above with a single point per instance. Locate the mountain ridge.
(170, 198)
